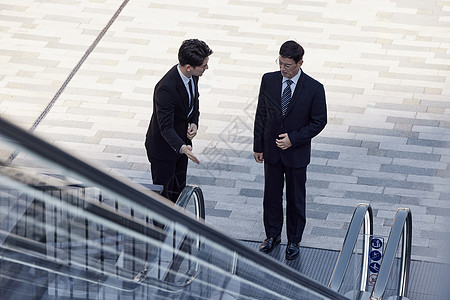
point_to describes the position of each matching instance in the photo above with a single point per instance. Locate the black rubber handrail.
(151, 200)
(196, 193)
(401, 229)
(362, 217)
(188, 194)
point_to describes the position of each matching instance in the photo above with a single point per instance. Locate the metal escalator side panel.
(401, 229)
(362, 217)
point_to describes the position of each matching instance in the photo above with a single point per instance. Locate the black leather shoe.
(269, 243)
(292, 251)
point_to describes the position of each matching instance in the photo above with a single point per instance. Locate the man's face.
(288, 67)
(198, 71)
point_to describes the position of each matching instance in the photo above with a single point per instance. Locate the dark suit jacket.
(167, 131)
(306, 116)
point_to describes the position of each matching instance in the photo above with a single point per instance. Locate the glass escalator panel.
(70, 231)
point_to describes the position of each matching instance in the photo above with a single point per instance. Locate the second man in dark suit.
(174, 121)
(291, 111)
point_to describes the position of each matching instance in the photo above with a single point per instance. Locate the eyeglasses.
(282, 64)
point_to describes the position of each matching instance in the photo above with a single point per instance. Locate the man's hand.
(258, 157)
(188, 151)
(283, 141)
(191, 130)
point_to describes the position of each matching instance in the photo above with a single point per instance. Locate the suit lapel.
(181, 89)
(274, 93)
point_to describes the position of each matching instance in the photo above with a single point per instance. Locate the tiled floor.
(81, 73)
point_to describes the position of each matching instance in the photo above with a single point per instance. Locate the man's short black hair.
(292, 50)
(193, 52)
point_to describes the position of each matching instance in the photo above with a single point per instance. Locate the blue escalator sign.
(374, 267)
(376, 243)
(375, 255)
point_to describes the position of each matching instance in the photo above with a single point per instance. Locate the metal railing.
(192, 193)
(401, 230)
(362, 217)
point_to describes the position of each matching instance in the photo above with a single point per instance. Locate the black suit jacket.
(167, 131)
(306, 116)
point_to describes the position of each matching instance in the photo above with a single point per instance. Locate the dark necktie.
(191, 97)
(191, 91)
(286, 97)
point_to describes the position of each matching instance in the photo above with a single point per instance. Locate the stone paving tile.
(385, 67)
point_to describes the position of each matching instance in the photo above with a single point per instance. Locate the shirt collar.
(295, 78)
(184, 78)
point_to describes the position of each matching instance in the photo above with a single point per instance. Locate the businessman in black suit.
(174, 121)
(291, 111)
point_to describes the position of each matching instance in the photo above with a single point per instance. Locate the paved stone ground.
(80, 73)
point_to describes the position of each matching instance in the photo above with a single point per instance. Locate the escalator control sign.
(375, 255)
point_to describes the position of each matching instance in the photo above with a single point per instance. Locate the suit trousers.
(274, 175)
(171, 175)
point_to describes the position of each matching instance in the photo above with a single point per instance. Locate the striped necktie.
(286, 97)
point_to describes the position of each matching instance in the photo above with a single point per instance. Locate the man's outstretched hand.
(186, 149)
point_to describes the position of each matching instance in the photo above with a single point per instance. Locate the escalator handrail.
(401, 229)
(152, 201)
(362, 216)
(185, 196)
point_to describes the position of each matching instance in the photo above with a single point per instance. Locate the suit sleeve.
(260, 120)
(165, 110)
(317, 119)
